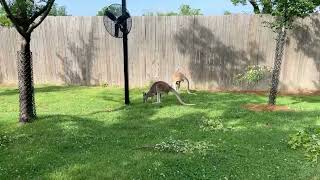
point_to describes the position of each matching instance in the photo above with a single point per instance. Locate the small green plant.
(212, 124)
(309, 141)
(253, 75)
(185, 147)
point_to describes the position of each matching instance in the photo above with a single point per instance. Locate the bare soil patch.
(266, 107)
(266, 93)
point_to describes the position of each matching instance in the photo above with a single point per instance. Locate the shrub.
(253, 75)
(309, 141)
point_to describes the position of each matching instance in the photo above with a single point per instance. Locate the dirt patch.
(266, 107)
(266, 93)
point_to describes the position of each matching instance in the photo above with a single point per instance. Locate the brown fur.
(179, 77)
(159, 88)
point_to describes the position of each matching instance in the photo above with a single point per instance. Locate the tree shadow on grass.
(45, 89)
(107, 110)
(314, 99)
(104, 145)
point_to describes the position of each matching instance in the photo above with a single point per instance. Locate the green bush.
(253, 75)
(309, 141)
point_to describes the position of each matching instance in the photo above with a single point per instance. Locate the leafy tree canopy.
(285, 11)
(111, 8)
(227, 13)
(101, 12)
(4, 21)
(56, 10)
(184, 10)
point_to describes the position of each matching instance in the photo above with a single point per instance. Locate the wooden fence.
(211, 50)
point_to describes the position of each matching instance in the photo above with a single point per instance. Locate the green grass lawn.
(87, 133)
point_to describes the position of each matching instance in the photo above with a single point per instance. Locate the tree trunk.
(25, 77)
(255, 6)
(281, 39)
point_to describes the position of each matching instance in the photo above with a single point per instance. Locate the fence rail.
(211, 50)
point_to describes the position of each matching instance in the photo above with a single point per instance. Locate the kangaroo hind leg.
(159, 97)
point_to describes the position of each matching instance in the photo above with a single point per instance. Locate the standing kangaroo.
(161, 87)
(177, 78)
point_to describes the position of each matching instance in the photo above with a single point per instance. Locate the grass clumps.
(4, 140)
(88, 133)
(183, 146)
(309, 141)
(212, 124)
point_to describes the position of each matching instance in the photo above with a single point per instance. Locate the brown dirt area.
(266, 93)
(266, 107)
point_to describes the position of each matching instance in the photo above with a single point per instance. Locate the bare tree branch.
(255, 5)
(12, 18)
(45, 11)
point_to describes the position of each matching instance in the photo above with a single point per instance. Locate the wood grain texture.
(210, 50)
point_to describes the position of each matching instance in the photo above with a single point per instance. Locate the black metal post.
(125, 57)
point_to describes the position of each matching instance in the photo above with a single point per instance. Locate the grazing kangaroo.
(177, 78)
(161, 87)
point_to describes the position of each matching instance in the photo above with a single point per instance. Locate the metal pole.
(125, 57)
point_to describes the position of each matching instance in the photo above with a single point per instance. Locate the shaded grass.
(87, 133)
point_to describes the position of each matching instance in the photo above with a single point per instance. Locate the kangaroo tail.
(188, 88)
(179, 98)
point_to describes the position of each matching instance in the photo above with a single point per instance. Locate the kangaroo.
(162, 87)
(177, 78)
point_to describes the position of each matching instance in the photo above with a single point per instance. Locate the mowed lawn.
(87, 133)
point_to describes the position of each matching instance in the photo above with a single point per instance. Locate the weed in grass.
(309, 141)
(212, 124)
(183, 146)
